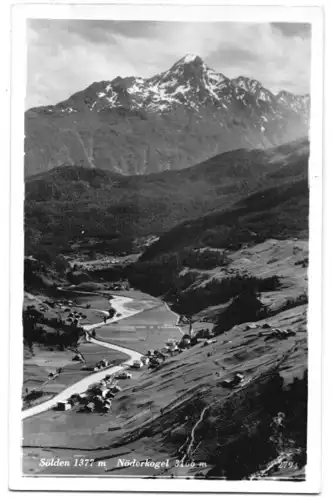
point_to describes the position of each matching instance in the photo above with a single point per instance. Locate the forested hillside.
(100, 209)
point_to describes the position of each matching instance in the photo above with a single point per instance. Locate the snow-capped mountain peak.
(169, 121)
(190, 58)
(188, 83)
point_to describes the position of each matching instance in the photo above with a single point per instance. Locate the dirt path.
(189, 452)
(177, 317)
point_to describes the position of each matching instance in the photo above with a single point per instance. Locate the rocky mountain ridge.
(170, 121)
(189, 81)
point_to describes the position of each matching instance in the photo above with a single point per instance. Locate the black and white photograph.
(170, 264)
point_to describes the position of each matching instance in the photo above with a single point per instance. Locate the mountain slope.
(275, 212)
(173, 120)
(182, 411)
(77, 204)
(276, 209)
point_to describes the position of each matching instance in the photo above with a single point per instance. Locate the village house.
(63, 406)
(137, 364)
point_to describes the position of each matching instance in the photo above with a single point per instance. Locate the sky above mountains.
(67, 56)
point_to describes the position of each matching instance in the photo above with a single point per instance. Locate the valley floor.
(181, 414)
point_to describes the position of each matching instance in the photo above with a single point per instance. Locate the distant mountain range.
(168, 122)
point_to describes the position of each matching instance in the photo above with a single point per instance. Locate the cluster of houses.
(101, 365)
(173, 347)
(97, 263)
(118, 286)
(74, 318)
(98, 398)
(53, 303)
(139, 363)
(156, 358)
(273, 333)
(280, 334)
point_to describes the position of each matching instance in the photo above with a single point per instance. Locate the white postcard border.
(163, 12)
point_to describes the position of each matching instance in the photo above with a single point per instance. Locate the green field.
(47, 360)
(35, 375)
(147, 330)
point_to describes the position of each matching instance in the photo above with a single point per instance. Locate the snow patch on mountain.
(216, 77)
(192, 84)
(190, 58)
(264, 95)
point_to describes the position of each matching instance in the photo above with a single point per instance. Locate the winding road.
(82, 385)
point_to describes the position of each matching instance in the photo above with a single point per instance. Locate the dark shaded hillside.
(74, 204)
(278, 212)
(120, 140)
(170, 266)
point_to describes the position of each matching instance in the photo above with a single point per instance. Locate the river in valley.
(145, 323)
